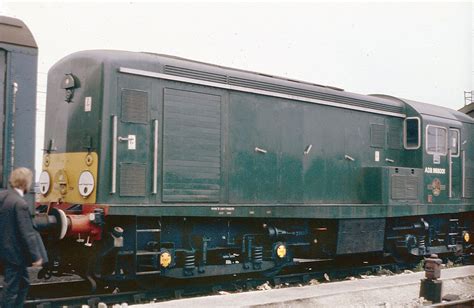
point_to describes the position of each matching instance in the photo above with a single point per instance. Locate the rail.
(463, 303)
(297, 273)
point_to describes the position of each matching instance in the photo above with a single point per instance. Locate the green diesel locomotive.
(158, 165)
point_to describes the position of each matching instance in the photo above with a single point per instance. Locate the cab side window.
(411, 136)
(454, 142)
(436, 140)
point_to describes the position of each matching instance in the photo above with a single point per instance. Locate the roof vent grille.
(278, 88)
(189, 73)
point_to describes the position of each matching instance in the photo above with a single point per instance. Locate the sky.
(421, 51)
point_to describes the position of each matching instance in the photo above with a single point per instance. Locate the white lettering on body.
(431, 170)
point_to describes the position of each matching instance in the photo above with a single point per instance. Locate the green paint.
(227, 149)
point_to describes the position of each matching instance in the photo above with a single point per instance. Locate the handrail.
(450, 173)
(463, 155)
(114, 155)
(155, 158)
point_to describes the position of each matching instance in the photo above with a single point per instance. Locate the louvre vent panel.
(189, 73)
(377, 135)
(192, 147)
(271, 87)
(394, 138)
(469, 189)
(134, 106)
(469, 171)
(132, 180)
(404, 187)
(398, 187)
(411, 188)
(312, 94)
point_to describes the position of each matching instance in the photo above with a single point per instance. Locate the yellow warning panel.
(69, 177)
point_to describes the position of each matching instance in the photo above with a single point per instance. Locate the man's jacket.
(18, 238)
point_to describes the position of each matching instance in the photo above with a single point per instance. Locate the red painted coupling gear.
(65, 221)
(82, 225)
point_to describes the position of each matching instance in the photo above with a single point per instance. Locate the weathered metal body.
(210, 170)
(18, 72)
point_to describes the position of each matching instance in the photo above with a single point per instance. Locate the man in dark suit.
(19, 246)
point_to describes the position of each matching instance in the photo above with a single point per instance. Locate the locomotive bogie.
(190, 247)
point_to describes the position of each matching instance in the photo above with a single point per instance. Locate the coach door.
(454, 164)
(3, 82)
(132, 141)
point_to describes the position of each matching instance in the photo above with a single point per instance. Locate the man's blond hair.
(21, 178)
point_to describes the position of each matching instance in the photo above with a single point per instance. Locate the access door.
(191, 146)
(454, 164)
(133, 140)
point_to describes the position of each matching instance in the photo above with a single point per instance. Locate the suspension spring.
(257, 257)
(421, 241)
(421, 244)
(189, 262)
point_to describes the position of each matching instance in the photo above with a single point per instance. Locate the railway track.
(465, 303)
(76, 294)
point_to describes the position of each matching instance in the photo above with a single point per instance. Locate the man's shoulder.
(11, 196)
(4, 193)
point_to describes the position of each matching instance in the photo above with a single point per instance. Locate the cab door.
(454, 164)
(133, 140)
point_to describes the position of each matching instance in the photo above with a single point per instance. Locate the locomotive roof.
(182, 67)
(432, 110)
(14, 31)
(439, 111)
(226, 77)
(278, 84)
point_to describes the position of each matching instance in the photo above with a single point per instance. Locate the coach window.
(454, 142)
(411, 135)
(436, 139)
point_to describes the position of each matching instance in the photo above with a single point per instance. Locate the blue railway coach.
(18, 72)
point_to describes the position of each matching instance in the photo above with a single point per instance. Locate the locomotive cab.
(442, 147)
(436, 142)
